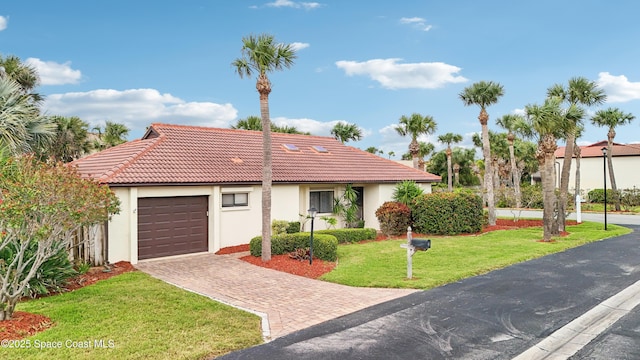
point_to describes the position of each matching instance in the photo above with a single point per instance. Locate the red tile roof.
(176, 154)
(595, 150)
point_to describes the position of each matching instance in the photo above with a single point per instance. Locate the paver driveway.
(288, 302)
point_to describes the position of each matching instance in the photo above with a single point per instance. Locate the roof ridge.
(120, 167)
(219, 129)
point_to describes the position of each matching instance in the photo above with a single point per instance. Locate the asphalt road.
(612, 218)
(493, 316)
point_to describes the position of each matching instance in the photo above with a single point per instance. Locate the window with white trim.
(321, 200)
(235, 199)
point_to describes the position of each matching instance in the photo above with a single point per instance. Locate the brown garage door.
(171, 226)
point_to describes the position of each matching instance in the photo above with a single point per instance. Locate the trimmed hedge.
(447, 213)
(325, 246)
(597, 196)
(350, 235)
(394, 217)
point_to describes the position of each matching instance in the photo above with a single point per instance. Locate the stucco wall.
(592, 176)
(230, 226)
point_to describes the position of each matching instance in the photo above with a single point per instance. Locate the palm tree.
(372, 149)
(508, 122)
(425, 149)
(22, 129)
(416, 125)
(70, 141)
(449, 138)
(250, 123)
(391, 154)
(262, 55)
(547, 123)
(25, 75)
(580, 91)
(483, 94)
(612, 118)
(345, 132)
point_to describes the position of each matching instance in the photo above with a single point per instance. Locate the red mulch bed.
(24, 324)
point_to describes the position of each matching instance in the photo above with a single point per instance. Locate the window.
(321, 200)
(320, 149)
(230, 200)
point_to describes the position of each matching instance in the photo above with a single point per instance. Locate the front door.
(360, 201)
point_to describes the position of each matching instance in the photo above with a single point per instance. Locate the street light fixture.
(604, 162)
(312, 213)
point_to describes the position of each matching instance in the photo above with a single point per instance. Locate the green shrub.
(293, 227)
(630, 198)
(351, 235)
(51, 276)
(447, 213)
(531, 196)
(394, 218)
(279, 227)
(325, 246)
(597, 195)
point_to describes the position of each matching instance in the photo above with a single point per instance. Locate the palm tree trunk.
(612, 177)
(578, 153)
(564, 181)
(264, 88)
(449, 171)
(616, 199)
(514, 175)
(548, 197)
(488, 170)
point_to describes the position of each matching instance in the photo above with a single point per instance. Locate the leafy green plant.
(83, 267)
(447, 213)
(597, 195)
(293, 227)
(330, 221)
(347, 207)
(406, 191)
(394, 217)
(51, 276)
(279, 227)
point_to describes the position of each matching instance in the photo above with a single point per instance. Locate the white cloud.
(392, 75)
(294, 4)
(618, 88)
(519, 112)
(314, 127)
(52, 73)
(299, 46)
(3, 22)
(416, 22)
(138, 108)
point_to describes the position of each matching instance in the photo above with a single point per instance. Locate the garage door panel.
(172, 226)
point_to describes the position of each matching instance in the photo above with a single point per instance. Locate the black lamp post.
(604, 161)
(312, 212)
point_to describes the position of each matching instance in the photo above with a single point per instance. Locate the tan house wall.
(625, 169)
(235, 225)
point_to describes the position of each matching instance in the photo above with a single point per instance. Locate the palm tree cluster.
(23, 128)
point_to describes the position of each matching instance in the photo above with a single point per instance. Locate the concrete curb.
(569, 339)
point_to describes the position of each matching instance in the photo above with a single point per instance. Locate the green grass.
(597, 207)
(144, 318)
(452, 258)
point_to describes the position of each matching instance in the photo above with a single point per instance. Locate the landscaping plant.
(42, 206)
(394, 218)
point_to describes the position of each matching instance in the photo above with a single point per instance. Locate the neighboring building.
(187, 189)
(626, 162)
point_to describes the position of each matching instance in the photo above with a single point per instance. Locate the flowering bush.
(394, 218)
(42, 206)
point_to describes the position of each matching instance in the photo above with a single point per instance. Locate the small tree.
(42, 206)
(406, 191)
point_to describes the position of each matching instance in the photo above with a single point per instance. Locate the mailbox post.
(412, 246)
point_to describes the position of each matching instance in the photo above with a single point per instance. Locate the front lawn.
(136, 317)
(452, 258)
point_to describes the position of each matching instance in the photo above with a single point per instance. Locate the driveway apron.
(288, 302)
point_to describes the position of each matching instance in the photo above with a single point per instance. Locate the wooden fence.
(89, 245)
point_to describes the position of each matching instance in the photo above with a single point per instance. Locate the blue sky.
(363, 62)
